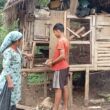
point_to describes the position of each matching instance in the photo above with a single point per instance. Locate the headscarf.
(11, 37)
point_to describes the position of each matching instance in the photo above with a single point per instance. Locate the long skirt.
(5, 99)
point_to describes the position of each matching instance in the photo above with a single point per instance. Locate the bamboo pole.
(87, 87)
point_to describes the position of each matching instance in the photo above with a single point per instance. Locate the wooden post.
(87, 87)
(33, 52)
(30, 6)
(70, 87)
(73, 6)
(65, 22)
(45, 85)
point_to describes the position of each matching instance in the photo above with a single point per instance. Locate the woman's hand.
(10, 84)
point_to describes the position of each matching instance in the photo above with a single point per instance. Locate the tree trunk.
(73, 6)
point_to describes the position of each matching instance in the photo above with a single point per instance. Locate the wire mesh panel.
(80, 40)
(80, 54)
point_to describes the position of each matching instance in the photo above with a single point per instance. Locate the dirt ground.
(99, 83)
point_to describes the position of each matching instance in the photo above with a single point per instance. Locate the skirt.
(5, 99)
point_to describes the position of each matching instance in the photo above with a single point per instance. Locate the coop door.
(79, 32)
(41, 54)
(42, 30)
(41, 39)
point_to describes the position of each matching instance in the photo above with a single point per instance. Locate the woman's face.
(19, 43)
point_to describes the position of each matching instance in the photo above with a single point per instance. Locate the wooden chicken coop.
(89, 40)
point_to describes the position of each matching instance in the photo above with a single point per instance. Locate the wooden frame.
(98, 46)
(91, 42)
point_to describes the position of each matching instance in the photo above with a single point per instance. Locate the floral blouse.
(12, 67)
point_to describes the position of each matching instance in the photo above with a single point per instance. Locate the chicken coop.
(89, 42)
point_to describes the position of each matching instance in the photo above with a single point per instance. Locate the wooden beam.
(73, 6)
(74, 33)
(70, 87)
(79, 42)
(78, 32)
(87, 87)
(24, 107)
(37, 69)
(88, 32)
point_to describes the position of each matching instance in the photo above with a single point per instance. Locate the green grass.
(36, 78)
(42, 3)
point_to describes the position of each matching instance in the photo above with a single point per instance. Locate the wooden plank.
(102, 42)
(80, 65)
(103, 32)
(74, 33)
(103, 55)
(37, 69)
(40, 28)
(77, 69)
(79, 42)
(70, 16)
(94, 44)
(103, 68)
(103, 20)
(104, 45)
(103, 49)
(85, 34)
(24, 107)
(78, 32)
(56, 17)
(103, 62)
(87, 87)
(104, 58)
(103, 52)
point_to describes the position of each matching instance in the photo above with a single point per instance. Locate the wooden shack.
(89, 39)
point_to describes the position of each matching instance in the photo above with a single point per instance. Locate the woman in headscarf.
(10, 77)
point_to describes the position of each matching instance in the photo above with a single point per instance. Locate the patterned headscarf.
(11, 37)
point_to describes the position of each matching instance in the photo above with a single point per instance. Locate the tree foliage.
(2, 3)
